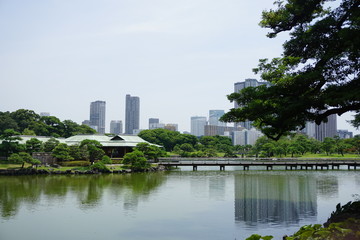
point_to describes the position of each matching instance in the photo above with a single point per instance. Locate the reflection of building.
(274, 198)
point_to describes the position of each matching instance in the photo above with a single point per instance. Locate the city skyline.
(181, 58)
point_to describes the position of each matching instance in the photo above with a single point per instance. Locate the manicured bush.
(100, 167)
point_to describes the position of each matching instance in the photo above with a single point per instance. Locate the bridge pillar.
(269, 167)
(222, 167)
(246, 167)
(194, 168)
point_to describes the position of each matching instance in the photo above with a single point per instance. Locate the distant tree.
(93, 147)
(23, 158)
(24, 118)
(328, 145)
(62, 152)
(33, 145)
(163, 137)
(136, 160)
(9, 142)
(151, 152)
(50, 144)
(6, 122)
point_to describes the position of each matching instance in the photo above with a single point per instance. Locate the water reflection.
(270, 198)
(88, 190)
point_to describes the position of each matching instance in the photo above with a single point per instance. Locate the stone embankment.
(54, 171)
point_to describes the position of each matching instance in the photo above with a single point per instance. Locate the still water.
(207, 204)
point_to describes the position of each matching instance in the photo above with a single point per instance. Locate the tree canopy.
(27, 122)
(317, 74)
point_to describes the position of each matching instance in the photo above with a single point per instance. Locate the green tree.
(10, 142)
(136, 160)
(6, 122)
(62, 152)
(317, 74)
(33, 145)
(93, 148)
(328, 145)
(151, 152)
(50, 144)
(24, 118)
(22, 158)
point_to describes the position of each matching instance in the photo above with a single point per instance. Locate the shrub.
(106, 160)
(100, 167)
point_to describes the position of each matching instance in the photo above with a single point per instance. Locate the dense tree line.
(209, 146)
(27, 122)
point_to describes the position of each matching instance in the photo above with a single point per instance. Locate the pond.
(206, 204)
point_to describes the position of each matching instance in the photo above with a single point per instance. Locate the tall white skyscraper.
(198, 126)
(132, 114)
(97, 116)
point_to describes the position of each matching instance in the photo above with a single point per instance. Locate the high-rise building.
(172, 127)
(44, 114)
(343, 134)
(326, 129)
(154, 123)
(249, 82)
(132, 114)
(116, 127)
(198, 126)
(214, 117)
(323, 130)
(97, 116)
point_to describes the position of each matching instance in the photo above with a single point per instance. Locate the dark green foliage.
(317, 74)
(106, 160)
(30, 123)
(62, 152)
(136, 160)
(50, 144)
(100, 167)
(9, 143)
(93, 148)
(151, 152)
(33, 145)
(22, 158)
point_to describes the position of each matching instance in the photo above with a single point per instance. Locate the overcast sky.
(180, 57)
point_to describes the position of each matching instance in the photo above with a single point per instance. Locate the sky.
(181, 58)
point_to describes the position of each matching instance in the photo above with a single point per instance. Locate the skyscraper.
(249, 82)
(214, 116)
(97, 116)
(198, 126)
(116, 127)
(132, 114)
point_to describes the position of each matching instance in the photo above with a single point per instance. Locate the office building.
(132, 114)
(97, 116)
(323, 130)
(214, 117)
(241, 85)
(44, 114)
(245, 137)
(198, 126)
(153, 122)
(172, 127)
(116, 127)
(343, 134)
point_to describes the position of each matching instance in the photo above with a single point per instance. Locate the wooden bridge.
(268, 164)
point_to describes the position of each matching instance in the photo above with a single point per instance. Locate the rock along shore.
(34, 171)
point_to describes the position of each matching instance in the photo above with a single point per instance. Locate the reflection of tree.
(274, 198)
(88, 189)
(327, 186)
